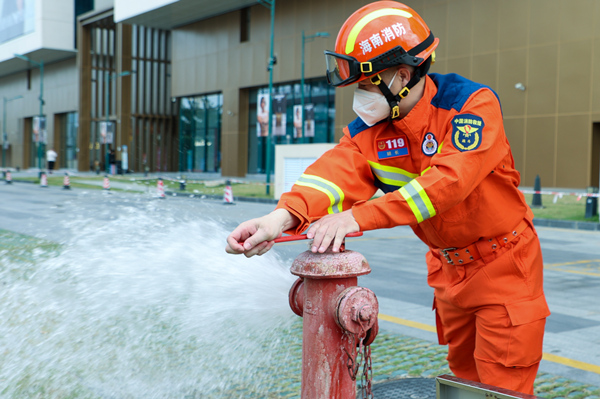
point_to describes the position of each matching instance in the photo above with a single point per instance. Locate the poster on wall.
(262, 115)
(16, 18)
(297, 121)
(309, 122)
(39, 129)
(107, 132)
(279, 115)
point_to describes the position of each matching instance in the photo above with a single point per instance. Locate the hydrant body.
(332, 326)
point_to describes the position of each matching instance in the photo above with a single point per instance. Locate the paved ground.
(406, 345)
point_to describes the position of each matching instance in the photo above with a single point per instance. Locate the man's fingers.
(322, 239)
(338, 240)
(267, 247)
(259, 249)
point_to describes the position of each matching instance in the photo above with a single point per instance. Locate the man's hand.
(332, 228)
(255, 236)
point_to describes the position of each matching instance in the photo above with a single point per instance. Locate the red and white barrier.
(160, 188)
(559, 194)
(66, 182)
(43, 180)
(106, 185)
(228, 194)
(8, 177)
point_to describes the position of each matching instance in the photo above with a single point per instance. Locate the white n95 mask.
(371, 107)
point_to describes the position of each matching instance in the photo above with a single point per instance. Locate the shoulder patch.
(429, 146)
(467, 132)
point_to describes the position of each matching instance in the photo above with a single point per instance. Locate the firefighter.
(435, 145)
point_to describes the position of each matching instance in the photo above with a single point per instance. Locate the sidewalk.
(397, 353)
(217, 179)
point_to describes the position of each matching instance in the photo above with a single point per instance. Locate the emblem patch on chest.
(392, 148)
(467, 132)
(430, 145)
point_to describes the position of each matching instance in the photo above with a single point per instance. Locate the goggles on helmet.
(345, 69)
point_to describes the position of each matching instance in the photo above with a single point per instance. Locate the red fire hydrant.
(338, 317)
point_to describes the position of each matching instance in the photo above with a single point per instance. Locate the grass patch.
(565, 208)
(253, 190)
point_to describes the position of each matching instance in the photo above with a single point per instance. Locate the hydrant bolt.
(365, 313)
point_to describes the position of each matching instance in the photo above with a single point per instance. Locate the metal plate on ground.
(406, 388)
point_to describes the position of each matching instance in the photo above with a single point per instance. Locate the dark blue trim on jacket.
(386, 188)
(454, 91)
(358, 125)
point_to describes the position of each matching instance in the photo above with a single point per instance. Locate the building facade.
(182, 85)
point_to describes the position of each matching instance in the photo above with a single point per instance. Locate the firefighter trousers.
(491, 313)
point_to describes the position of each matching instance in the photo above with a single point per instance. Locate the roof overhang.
(184, 12)
(45, 55)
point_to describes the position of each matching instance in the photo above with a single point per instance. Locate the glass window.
(289, 126)
(200, 133)
(67, 153)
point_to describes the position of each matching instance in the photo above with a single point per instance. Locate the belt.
(481, 248)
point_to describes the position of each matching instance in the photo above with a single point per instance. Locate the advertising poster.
(124, 159)
(107, 132)
(297, 121)
(309, 122)
(262, 115)
(39, 129)
(16, 18)
(279, 115)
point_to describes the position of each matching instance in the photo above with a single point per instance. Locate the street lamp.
(107, 78)
(4, 133)
(41, 66)
(304, 40)
(270, 4)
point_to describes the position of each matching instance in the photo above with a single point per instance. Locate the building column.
(84, 62)
(123, 87)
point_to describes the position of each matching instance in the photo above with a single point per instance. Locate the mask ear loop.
(394, 100)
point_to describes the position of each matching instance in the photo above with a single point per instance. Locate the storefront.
(287, 126)
(200, 132)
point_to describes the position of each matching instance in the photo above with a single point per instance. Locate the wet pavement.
(406, 346)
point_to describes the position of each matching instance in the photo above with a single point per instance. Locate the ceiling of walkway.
(183, 12)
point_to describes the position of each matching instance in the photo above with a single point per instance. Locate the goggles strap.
(394, 100)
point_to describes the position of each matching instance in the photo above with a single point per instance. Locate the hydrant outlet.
(357, 310)
(296, 297)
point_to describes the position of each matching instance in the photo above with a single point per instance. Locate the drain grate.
(407, 388)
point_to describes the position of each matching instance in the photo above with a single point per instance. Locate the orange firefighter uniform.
(448, 172)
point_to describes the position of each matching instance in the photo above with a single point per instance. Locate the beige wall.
(551, 46)
(60, 95)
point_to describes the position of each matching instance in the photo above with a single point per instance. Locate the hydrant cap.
(330, 265)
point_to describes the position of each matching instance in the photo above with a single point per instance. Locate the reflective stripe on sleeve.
(418, 200)
(390, 175)
(335, 194)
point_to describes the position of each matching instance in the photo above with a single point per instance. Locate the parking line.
(559, 267)
(571, 363)
(408, 323)
(565, 361)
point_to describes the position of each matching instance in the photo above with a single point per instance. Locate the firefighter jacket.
(446, 170)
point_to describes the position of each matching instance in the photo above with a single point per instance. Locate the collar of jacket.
(416, 123)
